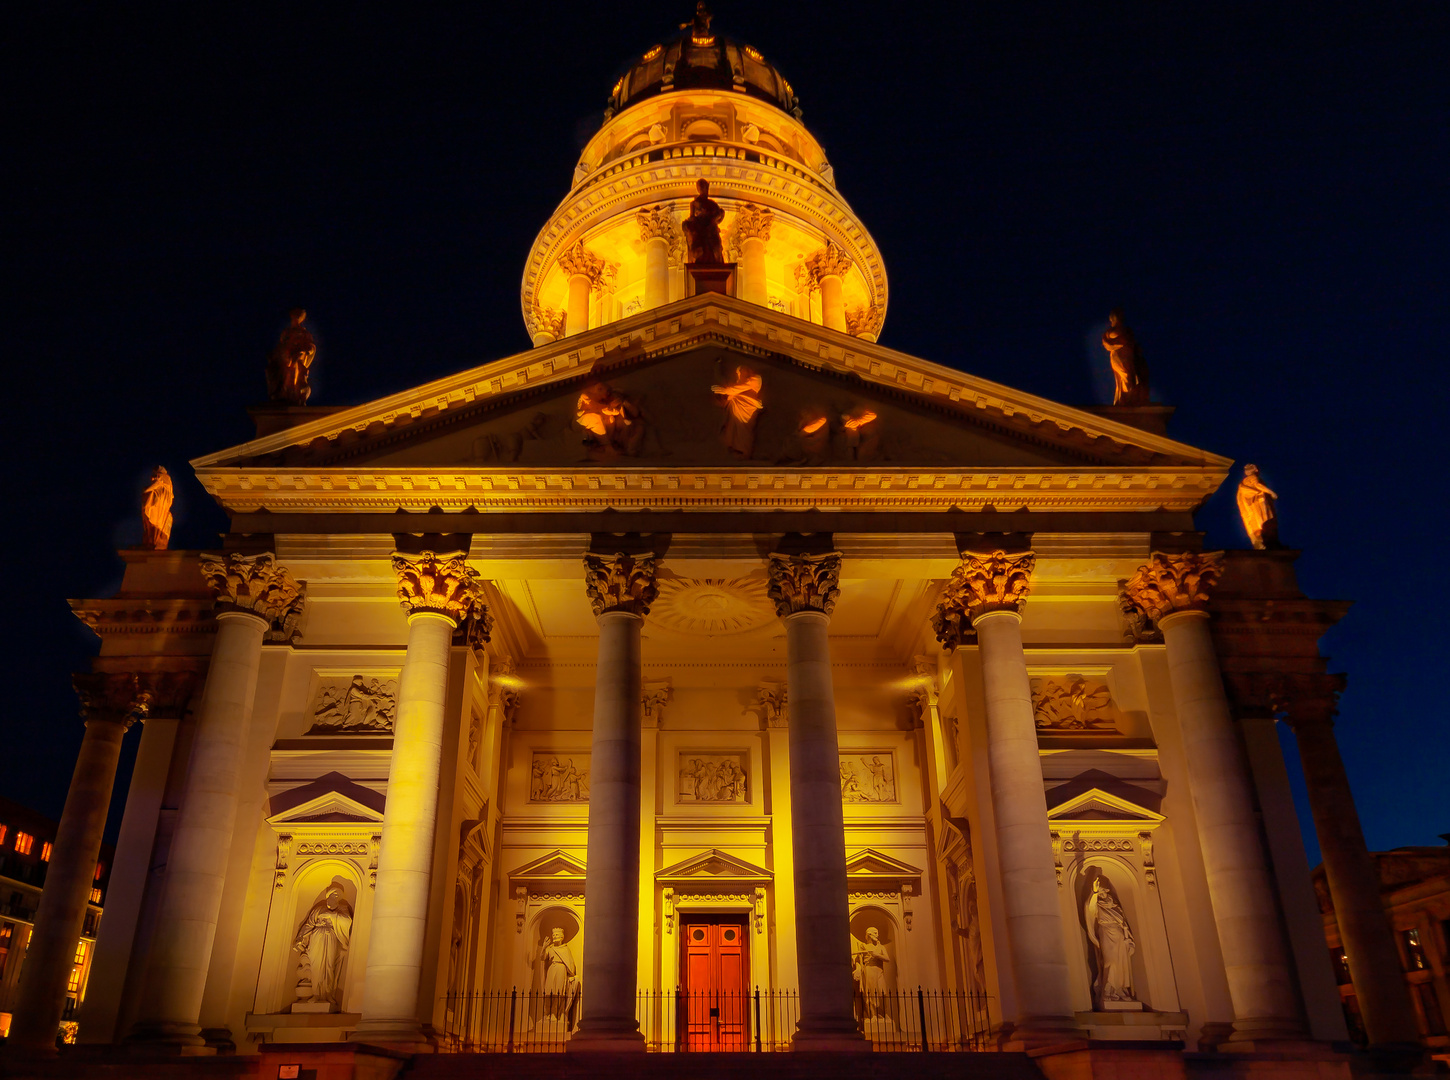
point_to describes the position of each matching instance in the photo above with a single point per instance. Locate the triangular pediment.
(516, 422)
(714, 865)
(328, 799)
(869, 863)
(1095, 804)
(557, 866)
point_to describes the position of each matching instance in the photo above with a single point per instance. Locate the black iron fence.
(684, 1021)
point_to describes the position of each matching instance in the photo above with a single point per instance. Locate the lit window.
(3, 830)
(81, 948)
(1414, 951)
(1341, 966)
(73, 984)
(100, 868)
(45, 849)
(24, 842)
(95, 896)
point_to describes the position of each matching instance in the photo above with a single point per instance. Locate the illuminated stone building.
(703, 639)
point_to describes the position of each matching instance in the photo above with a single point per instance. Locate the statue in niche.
(324, 938)
(362, 708)
(475, 740)
(560, 985)
(742, 409)
(702, 228)
(1112, 941)
(612, 423)
(156, 510)
(553, 781)
(1130, 372)
(290, 362)
(1072, 703)
(509, 446)
(862, 434)
(867, 781)
(1257, 507)
(868, 968)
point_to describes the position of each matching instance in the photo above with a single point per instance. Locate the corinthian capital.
(830, 261)
(1170, 583)
(657, 223)
(580, 261)
(545, 320)
(753, 223)
(863, 320)
(805, 582)
(118, 698)
(254, 583)
(442, 584)
(980, 585)
(620, 582)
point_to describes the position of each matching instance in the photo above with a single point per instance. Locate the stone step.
(746, 1066)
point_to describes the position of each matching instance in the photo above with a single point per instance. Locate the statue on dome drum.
(702, 228)
(1130, 371)
(156, 510)
(290, 362)
(1258, 508)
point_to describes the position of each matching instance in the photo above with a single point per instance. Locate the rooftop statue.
(290, 362)
(699, 26)
(156, 510)
(1257, 508)
(702, 227)
(1130, 372)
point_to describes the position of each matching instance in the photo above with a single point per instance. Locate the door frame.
(707, 905)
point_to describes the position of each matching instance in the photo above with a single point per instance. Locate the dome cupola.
(701, 107)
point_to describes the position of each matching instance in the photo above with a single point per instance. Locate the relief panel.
(559, 777)
(713, 778)
(868, 777)
(358, 704)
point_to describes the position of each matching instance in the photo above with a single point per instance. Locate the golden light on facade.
(651, 54)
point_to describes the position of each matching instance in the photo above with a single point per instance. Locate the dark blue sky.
(1261, 186)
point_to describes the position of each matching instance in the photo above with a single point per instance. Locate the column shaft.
(833, 306)
(201, 846)
(611, 887)
(68, 884)
(656, 272)
(1024, 843)
(405, 858)
(1239, 884)
(752, 271)
(1354, 886)
(822, 904)
(577, 320)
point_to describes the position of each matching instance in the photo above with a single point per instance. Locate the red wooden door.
(715, 984)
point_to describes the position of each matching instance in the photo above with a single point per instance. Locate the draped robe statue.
(1256, 507)
(1130, 373)
(325, 936)
(290, 363)
(559, 970)
(702, 228)
(742, 406)
(871, 959)
(1112, 939)
(156, 510)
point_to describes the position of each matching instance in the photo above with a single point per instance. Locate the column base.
(1092, 1061)
(405, 1035)
(166, 1038)
(1269, 1035)
(1041, 1033)
(606, 1040)
(219, 1039)
(844, 1037)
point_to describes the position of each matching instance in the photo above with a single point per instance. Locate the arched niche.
(277, 990)
(554, 989)
(1153, 983)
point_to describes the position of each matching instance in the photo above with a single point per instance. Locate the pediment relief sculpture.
(742, 403)
(559, 778)
(1074, 705)
(355, 706)
(712, 778)
(612, 423)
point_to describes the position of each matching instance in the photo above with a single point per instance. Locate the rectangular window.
(73, 984)
(45, 850)
(24, 842)
(1430, 1006)
(1340, 963)
(81, 949)
(95, 896)
(93, 919)
(3, 830)
(1414, 951)
(100, 869)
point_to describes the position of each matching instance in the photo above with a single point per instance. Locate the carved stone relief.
(712, 778)
(559, 777)
(354, 706)
(710, 606)
(868, 778)
(1073, 704)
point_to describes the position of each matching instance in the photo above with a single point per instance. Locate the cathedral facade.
(710, 644)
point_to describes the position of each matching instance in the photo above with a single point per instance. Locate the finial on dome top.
(699, 27)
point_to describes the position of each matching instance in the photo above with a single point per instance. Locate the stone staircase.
(783, 1066)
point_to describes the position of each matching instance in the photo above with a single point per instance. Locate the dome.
(700, 59)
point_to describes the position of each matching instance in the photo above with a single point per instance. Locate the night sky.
(1261, 186)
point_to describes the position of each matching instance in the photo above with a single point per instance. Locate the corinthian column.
(585, 270)
(252, 594)
(752, 230)
(110, 704)
(621, 588)
(829, 267)
(1173, 590)
(439, 593)
(659, 232)
(804, 589)
(987, 593)
(1353, 877)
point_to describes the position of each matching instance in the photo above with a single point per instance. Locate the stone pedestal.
(711, 277)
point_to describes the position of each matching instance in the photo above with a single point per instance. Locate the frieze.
(354, 706)
(556, 777)
(1073, 704)
(868, 777)
(712, 778)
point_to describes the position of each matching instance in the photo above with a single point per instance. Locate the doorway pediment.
(714, 867)
(331, 798)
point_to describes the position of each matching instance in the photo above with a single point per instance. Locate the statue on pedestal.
(325, 936)
(559, 970)
(290, 361)
(869, 968)
(1130, 372)
(1257, 508)
(1112, 940)
(156, 510)
(702, 228)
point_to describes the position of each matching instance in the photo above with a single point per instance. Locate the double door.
(715, 984)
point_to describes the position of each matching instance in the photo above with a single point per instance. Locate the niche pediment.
(1095, 804)
(554, 869)
(716, 867)
(332, 798)
(870, 870)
